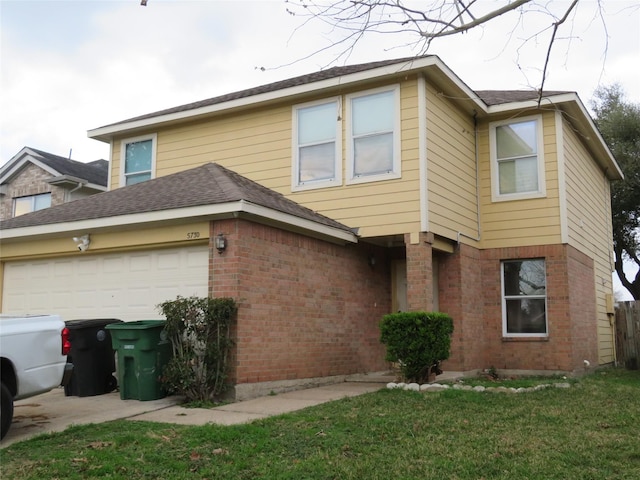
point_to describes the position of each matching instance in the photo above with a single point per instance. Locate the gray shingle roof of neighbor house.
(95, 172)
(209, 184)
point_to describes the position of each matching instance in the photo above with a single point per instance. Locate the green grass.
(590, 431)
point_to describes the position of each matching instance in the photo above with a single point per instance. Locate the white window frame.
(541, 191)
(32, 201)
(123, 152)
(396, 151)
(297, 185)
(504, 298)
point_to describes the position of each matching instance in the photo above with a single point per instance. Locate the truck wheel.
(6, 410)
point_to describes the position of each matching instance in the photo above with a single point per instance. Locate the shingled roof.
(489, 97)
(499, 97)
(208, 184)
(318, 76)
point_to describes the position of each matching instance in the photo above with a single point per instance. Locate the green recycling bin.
(143, 350)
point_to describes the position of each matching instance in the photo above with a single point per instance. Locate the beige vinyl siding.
(589, 227)
(451, 168)
(258, 145)
(521, 222)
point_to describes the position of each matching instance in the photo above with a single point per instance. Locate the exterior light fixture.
(82, 242)
(221, 243)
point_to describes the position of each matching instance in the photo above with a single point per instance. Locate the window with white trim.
(517, 161)
(139, 159)
(317, 145)
(524, 298)
(374, 135)
(31, 203)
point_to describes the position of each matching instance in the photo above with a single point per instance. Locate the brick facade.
(307, 308)
(310, 309)
(30, 181)
(470, 291)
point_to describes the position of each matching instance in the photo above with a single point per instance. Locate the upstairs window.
(139, 156)
(31, 203)
(317, 143)
(374, 135)
(524, 298)
(516, 159)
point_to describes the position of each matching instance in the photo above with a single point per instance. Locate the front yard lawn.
(588, 431)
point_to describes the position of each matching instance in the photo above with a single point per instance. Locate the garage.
(127, 285)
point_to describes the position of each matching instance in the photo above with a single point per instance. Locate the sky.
(71, 66)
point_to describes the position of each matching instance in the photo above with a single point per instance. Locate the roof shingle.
(208, 184)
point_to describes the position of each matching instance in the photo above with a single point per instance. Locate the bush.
(417, 341)
(199, 331)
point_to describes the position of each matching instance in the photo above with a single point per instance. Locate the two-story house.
(33, 180)
(325, 201)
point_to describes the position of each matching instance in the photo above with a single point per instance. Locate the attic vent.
(4, 189)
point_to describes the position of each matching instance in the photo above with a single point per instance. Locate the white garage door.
(127, 286)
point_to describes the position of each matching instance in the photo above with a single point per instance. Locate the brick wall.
(571, 315)
(470, 291)
(582, 308)
(462, 295)
(30, 181)
(307, 308)
(419, 273)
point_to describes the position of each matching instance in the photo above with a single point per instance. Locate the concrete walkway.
(248, 410)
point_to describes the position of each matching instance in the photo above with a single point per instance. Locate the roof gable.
(95, 172)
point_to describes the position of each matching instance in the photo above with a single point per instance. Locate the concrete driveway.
(54, 412)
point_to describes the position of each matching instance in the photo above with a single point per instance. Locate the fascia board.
(104, 133)
(226, 209)
(119, 220)
(301, 223)
(457, 82)
(14, 169)
(532, 104)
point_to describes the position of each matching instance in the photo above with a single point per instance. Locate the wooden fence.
(628, 334)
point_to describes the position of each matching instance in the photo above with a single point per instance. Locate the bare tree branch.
(476, 22)
(556, 25)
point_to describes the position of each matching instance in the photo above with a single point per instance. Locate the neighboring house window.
(317, 144)
(374, 135)
(139, 156)
(517, 161)
(524, 298)
(22, 205)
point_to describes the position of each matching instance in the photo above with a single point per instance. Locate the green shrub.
(417, 341)
(199, 331)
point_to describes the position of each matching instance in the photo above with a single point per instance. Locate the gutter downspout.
(477, 155)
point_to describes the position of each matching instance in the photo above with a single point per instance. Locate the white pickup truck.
(33, 359)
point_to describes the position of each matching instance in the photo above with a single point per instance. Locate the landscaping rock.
(562, 385)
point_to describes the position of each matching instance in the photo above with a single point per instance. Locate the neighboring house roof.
(207, 185)
(93, 173)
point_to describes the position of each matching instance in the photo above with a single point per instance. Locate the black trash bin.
(92, 356)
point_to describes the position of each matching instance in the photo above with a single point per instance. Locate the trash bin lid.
(137, 325)
(90, 322)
